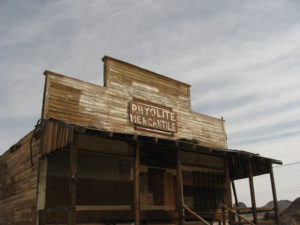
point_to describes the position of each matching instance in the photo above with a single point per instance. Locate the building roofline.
(140, 68)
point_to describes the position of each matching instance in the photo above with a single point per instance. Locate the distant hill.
(241, 204)
(282, 205)
(291, 215)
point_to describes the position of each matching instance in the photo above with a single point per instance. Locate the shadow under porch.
(112, 178)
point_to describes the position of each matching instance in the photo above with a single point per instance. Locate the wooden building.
(131, 151)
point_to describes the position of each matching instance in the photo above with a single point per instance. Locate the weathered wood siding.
(18, 182)
(77, 102)
(56, 136)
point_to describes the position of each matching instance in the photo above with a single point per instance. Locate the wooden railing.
(195, 214)
(238, 215)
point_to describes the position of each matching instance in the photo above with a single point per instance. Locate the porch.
(89, 176)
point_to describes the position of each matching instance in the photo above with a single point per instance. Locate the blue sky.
(241, 58)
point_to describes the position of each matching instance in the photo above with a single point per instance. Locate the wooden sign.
(152, 117)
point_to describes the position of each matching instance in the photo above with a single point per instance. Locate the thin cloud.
(241, 58)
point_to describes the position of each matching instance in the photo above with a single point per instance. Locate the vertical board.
(81, 103)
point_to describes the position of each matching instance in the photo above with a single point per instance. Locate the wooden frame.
(41, 190)
(137, 208)
(274, 195)
(228, 189)
(73, 179)
(180, 200)
(252, 192)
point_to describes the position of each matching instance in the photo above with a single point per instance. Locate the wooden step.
(260, 222)
(194, 223)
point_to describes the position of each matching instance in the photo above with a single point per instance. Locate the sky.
(241, 58)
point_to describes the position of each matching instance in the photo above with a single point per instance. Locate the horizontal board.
(77, 102)
(18, 183)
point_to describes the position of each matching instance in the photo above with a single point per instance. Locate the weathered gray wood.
(235, 197)
(18, 182)
(103, 207)
(78, 102)
(180, 197)
(73, 179)
(228, 189)
(252, 192)
(274, 194)
(241, 217)
(137, 210)
(223, 216)
(41, 192)
(196, 215)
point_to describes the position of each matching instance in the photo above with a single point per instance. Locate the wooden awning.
(58, 135)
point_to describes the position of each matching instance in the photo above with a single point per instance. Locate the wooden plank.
(18, 181)
(250, 208)
(201, 169)
(41, 196)
(73, 179)
(169, 189)
(243, 218)
(196, 215)
(252, 192)
(235, 199)
(137, 209)
(274, 195)
(78, 102)
(180, 196)
(45, 98)
(158, 207)
(228, 189)
(103, 207)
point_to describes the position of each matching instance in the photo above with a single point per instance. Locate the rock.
(291, 215)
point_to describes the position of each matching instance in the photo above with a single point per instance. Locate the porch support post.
(235, 198)
(228, 188)
(274, 194)
(137, 210)
(180, 198)
(223, 216)
(41, 190)
(73, 179)
(252, 192)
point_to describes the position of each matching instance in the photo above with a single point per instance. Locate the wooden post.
(137, 207)
(274, 194)
(252, 192)
(223, 216)
(73, 179)
(235, 198)
(228, 188)
(41, 190)
(180, 196)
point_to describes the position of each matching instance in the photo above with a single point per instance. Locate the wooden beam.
(235, 198)
(42, 183)
(73, 179)
(201, 169)
(235, 194)
(274, 194)
(196, 215)
(223, 216)
(258, 209)
(228, 189)
(180, 195)
(103, 207)
(243, 218)
(252, 192)
(137, 210)
(158, 207)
